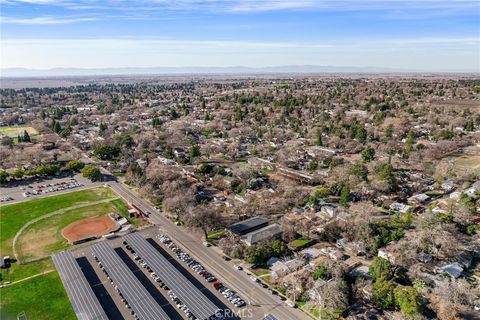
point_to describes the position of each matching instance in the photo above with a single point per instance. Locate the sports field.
(14, 131)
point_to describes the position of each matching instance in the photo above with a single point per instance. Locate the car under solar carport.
(135, 294)
(190, 295)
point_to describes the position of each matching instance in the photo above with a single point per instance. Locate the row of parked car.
(197, 267)
(135, 317)
(177, 302)
(6, 199)
(52, 187)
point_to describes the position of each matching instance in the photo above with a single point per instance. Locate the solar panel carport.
(190, 295)
(83, 300)
(141, 302)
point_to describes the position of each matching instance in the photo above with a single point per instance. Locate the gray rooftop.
(250, 224)
(264, 233)
(83, 299)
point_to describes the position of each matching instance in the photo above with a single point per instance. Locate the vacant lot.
(14, 216)
(40, 298)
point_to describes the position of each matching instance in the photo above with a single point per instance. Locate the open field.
(460, 165)
(42, 297)
(13, 217)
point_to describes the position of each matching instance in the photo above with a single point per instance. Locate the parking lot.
(166, 280)
(16, 191)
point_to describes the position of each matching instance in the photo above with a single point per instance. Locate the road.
(258, 297)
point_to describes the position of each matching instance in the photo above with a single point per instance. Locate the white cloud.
(43, 20)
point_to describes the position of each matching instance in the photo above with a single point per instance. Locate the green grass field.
(21, 271)
(40, 298)
(14, 131)
(14, 216)
(299, 243)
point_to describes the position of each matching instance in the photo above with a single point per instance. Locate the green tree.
(360, 133)
(195, 152)
(321, 272)
(386, 173)
(358, 169)
(368, 153)
(318, 137)
(345, 196)
(107, 152)
(384, 293)
(389, 131)
(3, 176)
(409, 300)
(74, 165)
(469, 126)
(312, 165)
(91, 172)
(26, 137)
(125, 140)
(381, 269)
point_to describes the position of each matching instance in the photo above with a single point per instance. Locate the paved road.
(238, 281)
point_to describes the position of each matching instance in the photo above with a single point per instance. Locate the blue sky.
(425, 35)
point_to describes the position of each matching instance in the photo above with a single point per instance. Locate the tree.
(409, 301)
(91, 172)
(107, 152)
(195, 152)
(26, 137)
(469, 126)
(368, 153)
(345, 196)
(386, 173)
(381, 269)
(3, 176)
(318, 137)
(360, 133)
(358, 169)
(321, 272)
(74, 165)
(204, 218)
(312, 165)
(384, 293)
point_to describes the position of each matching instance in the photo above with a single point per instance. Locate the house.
(387, 255)
(280, 269)
(310, 253)
(249, 225)
(448, 185)
(262, 234)
(270, 262)
(400, 207)
(419, 199)
(454, 270)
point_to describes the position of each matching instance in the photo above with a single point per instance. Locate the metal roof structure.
(248, 225)
(83, 299)
(190, 295)
(139, 299)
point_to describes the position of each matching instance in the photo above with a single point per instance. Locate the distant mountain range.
(62, 72)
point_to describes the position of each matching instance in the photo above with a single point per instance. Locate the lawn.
(20, 271)
(263, 274)
(299, 243)
(40, 298)
(14, 131)
(216, 234)
(44, 237)
(14, 216)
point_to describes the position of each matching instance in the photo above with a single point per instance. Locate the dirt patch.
(89, 228)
